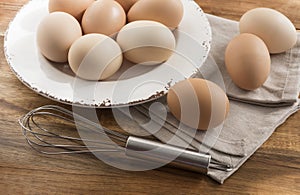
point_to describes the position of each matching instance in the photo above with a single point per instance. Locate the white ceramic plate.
(133, 84)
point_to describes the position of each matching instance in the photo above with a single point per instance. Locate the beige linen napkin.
(246, 128)
(253, 115)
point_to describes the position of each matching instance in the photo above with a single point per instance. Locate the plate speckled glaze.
(133, 84)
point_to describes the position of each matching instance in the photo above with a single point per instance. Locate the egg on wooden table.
(95, 57)
(198, 103)
(146, 42)
(274, 28)
(74, 7)
(167, 12)
(247, 61)
(103, 17)
(55, 35)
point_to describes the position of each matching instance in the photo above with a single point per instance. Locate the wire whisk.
(53, 130)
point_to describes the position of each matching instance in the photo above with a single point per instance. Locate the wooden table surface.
(274, 168)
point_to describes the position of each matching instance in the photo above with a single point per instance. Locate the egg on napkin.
(198, 103)
(247, 61)
(274, 28)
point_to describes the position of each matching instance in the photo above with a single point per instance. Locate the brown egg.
(198, 103)
(146, 42)
(126, 4)
(168, 12)
(247, 61)
(74, 7)
(90, 58)
(104, 17)
(55, 35)
(274, 28)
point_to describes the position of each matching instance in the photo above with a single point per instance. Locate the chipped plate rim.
(193, 38)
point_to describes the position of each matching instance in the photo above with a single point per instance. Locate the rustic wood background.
(274, 168)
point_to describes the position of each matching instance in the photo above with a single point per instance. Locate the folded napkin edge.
(220, 178)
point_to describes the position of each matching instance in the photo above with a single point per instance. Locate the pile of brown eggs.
(94, 37)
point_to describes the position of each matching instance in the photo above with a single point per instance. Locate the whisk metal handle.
(162, 153)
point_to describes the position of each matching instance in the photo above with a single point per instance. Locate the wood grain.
(274, 168)
(236, 8)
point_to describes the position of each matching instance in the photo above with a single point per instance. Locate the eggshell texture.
(95, 57)
(247, 61)
(55, 35)
(198, 103)
(126, 4)
(274, 28)
(74, 7)
(168, 12)
(146, 42)
(104, 17)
